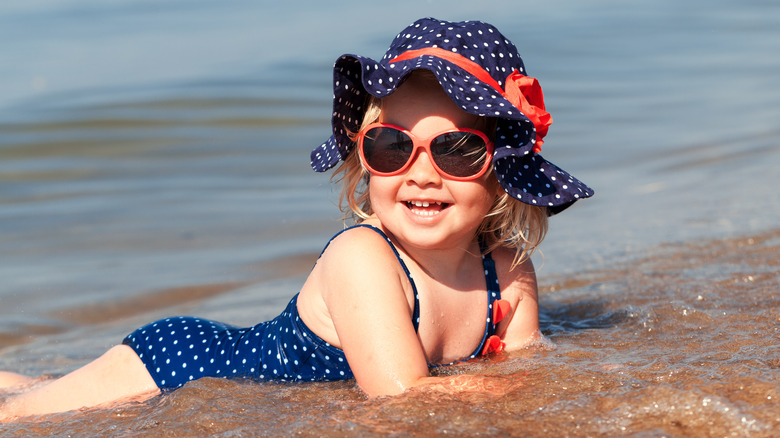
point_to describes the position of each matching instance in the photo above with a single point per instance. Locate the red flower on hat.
(525, 93)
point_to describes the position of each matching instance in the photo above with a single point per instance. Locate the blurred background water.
(154, 156)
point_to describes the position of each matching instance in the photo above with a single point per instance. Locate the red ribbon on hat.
(524, 92)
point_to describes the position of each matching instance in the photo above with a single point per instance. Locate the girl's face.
(420, 207)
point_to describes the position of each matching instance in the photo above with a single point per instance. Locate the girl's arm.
(365, 291)
(521, 326)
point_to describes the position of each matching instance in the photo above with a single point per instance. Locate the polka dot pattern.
(179, 349)
(535, 181)
(355, 77)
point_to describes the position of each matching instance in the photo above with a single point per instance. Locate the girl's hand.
(471, 385)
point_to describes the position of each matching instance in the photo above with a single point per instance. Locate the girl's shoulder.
(356, 276)
(359, 237)
(359, 250)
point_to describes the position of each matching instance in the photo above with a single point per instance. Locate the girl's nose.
(421, 171)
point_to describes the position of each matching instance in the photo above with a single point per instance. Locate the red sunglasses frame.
(424, 144)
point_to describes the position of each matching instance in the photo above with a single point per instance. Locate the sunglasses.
(457, 154)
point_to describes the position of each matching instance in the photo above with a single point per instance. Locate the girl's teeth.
(423, 203)
(419, 207)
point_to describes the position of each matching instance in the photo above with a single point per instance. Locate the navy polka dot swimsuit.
(179, 349)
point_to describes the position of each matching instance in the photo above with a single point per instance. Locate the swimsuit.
(179, 349)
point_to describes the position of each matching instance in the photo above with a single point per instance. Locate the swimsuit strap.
(416, 312)
(494, 292)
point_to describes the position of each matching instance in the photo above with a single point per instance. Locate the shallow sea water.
(154, 161)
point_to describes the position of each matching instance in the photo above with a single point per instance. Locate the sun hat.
(482, 72)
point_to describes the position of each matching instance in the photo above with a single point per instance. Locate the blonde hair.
(509, 223)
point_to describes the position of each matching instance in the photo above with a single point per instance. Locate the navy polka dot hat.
(483, 74)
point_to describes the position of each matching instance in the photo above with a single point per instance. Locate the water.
(154, 161)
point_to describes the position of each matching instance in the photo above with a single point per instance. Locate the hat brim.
(535, 181)
(356, 77)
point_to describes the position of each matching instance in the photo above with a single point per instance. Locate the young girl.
(439, 147)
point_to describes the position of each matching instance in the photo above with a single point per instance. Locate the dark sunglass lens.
(459, 154)
(386, 149)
